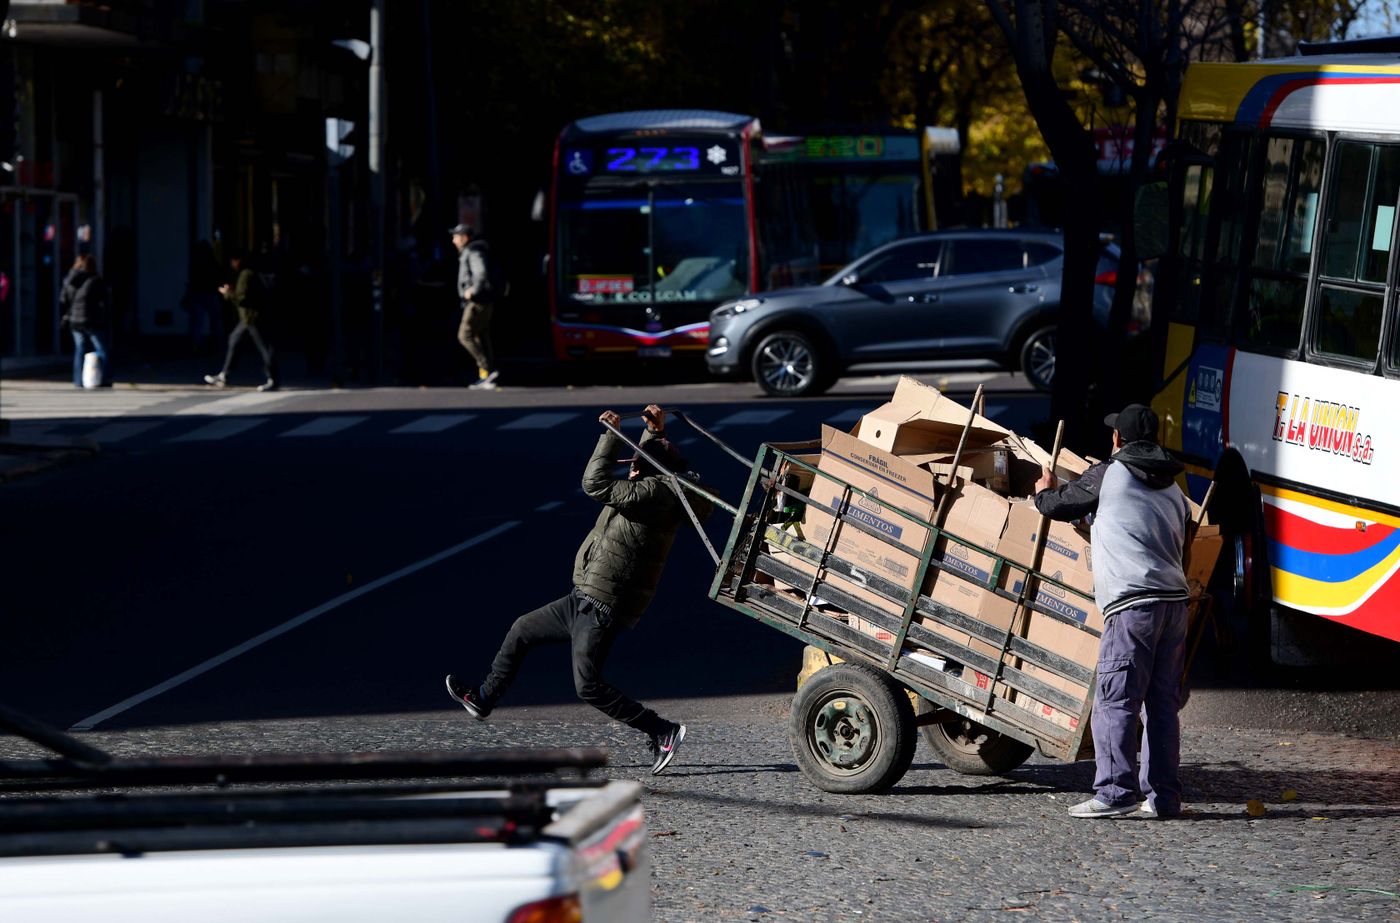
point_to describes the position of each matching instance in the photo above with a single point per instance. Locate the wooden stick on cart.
(1200, 607)
(1027, 592)
(940, 511)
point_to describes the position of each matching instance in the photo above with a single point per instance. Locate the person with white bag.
(84, 303)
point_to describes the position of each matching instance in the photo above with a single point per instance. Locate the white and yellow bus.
(1282, 363)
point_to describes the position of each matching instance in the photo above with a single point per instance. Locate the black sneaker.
(468, 698)
(664, 747)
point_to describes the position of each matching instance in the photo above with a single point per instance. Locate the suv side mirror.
(1150, 230)
(850, 278)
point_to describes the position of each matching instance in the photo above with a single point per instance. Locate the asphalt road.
(406, 529)
(297, 571)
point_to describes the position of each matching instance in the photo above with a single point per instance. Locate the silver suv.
(950, 299)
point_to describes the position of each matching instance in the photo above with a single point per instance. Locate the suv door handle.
(1023, 289)
(925, 298)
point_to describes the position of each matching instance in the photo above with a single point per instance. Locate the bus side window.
(1278, 275)
(1356, 256)
(1225, 202)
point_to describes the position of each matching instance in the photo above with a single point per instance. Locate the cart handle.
(680, 486)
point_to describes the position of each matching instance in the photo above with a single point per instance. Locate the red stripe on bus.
(1266, 117)
(1305, 535)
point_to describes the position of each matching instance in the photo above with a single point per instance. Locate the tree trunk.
(1032, 38)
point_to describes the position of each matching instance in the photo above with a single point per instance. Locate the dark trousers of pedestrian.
(590, 628)
(1140, 662)
(86, 340)
(248, 327)
(474, 333)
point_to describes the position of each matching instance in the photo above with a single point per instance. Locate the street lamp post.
(377, 118)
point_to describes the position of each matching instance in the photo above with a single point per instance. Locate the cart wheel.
(852, 729)
(972, 749)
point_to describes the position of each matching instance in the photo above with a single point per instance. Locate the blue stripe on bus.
(1330, 568)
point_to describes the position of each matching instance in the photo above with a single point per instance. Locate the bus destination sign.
(658, 156)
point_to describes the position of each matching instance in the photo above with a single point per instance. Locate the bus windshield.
(857, 213)
(662, 243)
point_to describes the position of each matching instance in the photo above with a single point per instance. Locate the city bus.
(1281, 362)
(867, 187)
(655, 218)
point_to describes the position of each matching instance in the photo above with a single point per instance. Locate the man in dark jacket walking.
(1139, 535)
(615, 575)
(84, 303)
(249, 297)
(478, 293)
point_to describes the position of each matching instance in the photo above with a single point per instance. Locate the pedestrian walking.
(1139, 534)
(479, 287)
(615, 575)
(249, 298)
(83, 302)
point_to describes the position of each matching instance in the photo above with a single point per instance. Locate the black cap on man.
(1135, 423)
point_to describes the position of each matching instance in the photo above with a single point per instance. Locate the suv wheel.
(1038, 358)
(788, 364)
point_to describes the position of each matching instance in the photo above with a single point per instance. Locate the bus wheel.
(852, 730)
(1038, 358)
(787, 363)
(967, 747)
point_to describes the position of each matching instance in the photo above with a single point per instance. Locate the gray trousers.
(474, 333)
(1140, 663)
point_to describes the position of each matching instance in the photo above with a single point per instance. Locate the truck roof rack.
(422, 798)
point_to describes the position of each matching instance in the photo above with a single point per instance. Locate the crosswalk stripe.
(116, 432)
(220, 429)
(846, 416)
(434, 423)
(233, 403)
(538, 421)
(753, 417)
(74, 404)
(325, 426)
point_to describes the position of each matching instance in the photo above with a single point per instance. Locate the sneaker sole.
(669, 754)
(471, 709)
(1122, 811)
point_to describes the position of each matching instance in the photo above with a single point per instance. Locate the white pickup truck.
(521, 836)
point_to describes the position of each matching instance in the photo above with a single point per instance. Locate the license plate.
(653, 352)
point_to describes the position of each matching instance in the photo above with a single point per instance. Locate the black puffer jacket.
(620, 562)
(84, 299)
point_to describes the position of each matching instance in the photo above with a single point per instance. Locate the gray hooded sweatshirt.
(1139, 525)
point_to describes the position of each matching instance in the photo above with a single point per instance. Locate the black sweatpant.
(583, 624)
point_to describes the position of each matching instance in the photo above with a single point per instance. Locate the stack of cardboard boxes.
(900, 456)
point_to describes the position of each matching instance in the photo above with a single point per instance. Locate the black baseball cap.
(465, 229)
(1135, 423)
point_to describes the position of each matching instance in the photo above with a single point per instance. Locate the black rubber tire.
(971, 749)
(884, 740)
(789, 363)
(1037, 358)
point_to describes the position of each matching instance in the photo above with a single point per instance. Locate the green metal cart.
(854, 723)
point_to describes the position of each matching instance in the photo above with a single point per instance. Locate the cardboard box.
(886, 479)
(988, 467)
(1203, 556)
(919, 420)
(1067, 557)
(978, 516)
